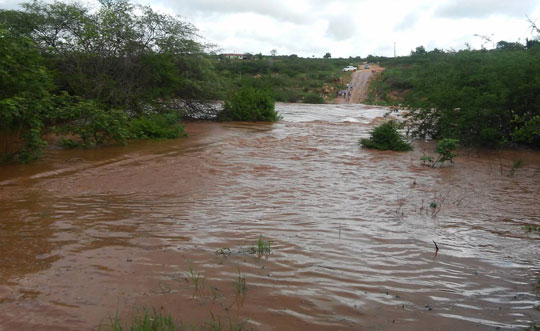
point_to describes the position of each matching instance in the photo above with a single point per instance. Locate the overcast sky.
(350, 27)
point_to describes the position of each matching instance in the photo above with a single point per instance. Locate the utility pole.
(394, 49)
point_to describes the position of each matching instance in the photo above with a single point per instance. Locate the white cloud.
(349, 27)
(341, 27)
(485, 8)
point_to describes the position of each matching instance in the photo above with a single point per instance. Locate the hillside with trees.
(288, 78)
(482, 97)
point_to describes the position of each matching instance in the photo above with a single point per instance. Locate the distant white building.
(232, 56)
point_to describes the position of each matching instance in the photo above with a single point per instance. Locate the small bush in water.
(250, 105)
(386, 137)
(445, 148)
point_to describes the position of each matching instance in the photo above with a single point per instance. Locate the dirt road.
(360, 83)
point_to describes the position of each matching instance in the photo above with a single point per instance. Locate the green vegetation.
(154, 320)
(146, 321)
(487, 98)
(216, 324)
(313, 98)
(263, 247)
(249, 104)
(445, 148)
(91, 123)
(96, 75)
(532, 228)
(25, 96)
(386, 137)
(156, 126)
(287, 78)
(195, 278)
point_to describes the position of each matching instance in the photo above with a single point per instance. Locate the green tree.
(25, 99)
(420, 50)
(327, 55)
(123, 55)
(507, 46)
(249, 104)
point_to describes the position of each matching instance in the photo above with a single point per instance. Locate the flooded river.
(88, 234)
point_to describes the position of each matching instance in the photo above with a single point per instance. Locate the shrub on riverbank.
(90, 124)
(156, 126)
(95, 126)
(249, 104)
(386, 137)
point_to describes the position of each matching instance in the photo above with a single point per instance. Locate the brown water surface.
(86, 234)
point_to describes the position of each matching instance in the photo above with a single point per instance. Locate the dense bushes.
(156, 126)
(289, 78)
(386, 137)
(249, 104)
(527, 132)
(487, 98)
(90, 72)
(91, 122)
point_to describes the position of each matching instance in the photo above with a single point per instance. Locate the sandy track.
(360, 82)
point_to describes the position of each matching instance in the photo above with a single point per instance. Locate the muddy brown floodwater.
(87, 234)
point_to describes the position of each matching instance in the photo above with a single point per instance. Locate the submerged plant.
(195, 277)
(516, 165)
(146, 320)
(426, 159)
(223, 252)
(445, 148)
(386, 137)
(241, 287)
(216, 324)
(157, 320)
(263, 247)
(532, 228)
